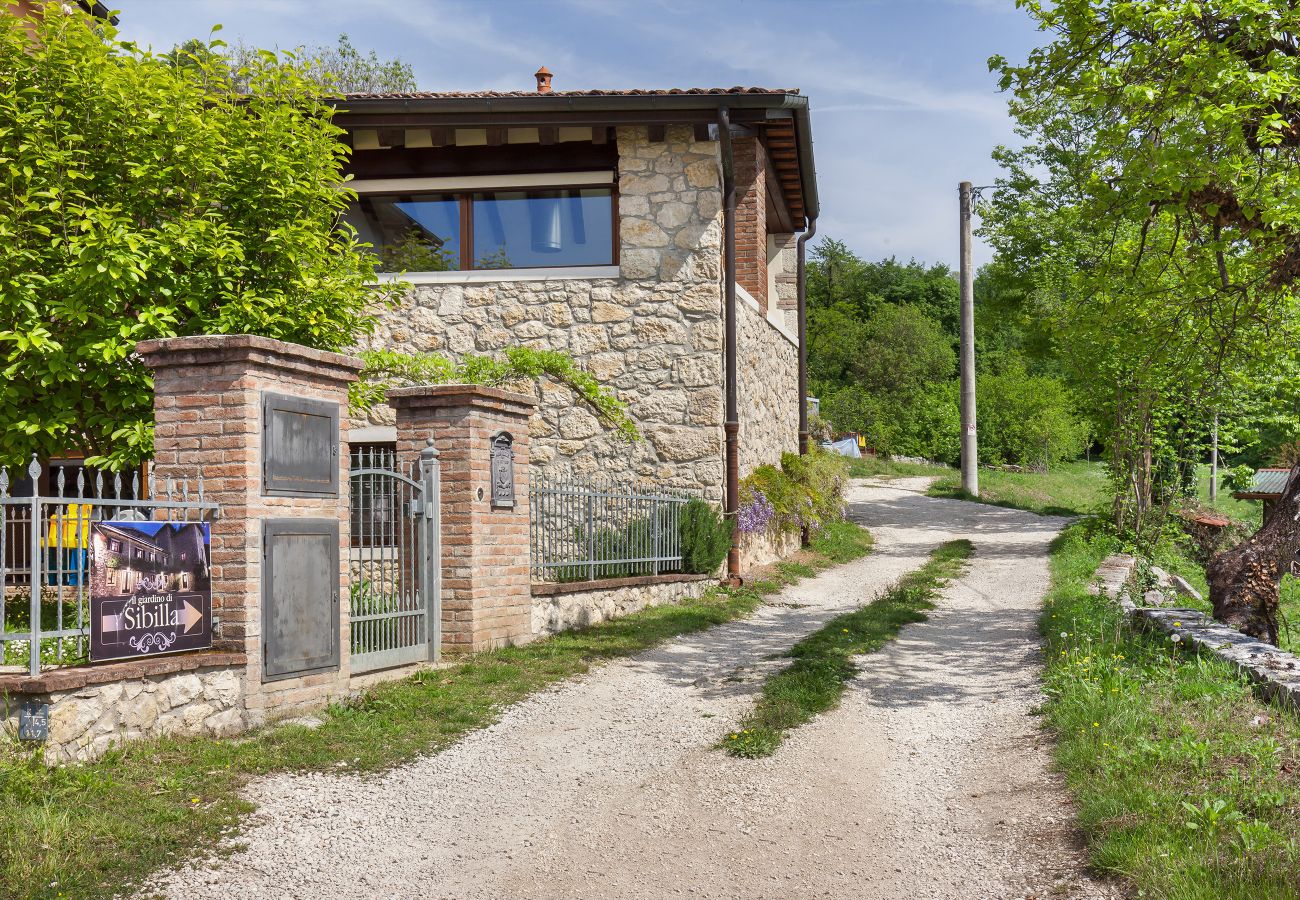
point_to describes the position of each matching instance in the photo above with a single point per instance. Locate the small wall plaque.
(34, 721)
(503, 470)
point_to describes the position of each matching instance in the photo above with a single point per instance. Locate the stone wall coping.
(1275, 672)
(439, 395)
(610, 584)
(210, 349)
(74, 678)
(770, 317)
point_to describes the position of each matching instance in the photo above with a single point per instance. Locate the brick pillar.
(208, 414)
(486, 600)
(751, 217)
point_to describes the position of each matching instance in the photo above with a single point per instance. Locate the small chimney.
(543, 77)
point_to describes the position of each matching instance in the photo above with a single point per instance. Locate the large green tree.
(1157, 202)
(143, 199)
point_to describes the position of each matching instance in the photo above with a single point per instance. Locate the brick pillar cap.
(210, 349)
(437, 395)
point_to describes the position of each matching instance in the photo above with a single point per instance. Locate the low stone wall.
(95, 708)
(1274, 672)
(758, 550)
(561, 607)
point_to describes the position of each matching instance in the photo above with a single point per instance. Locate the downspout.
(731, 423)
(805, 434)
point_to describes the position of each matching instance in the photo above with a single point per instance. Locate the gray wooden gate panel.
(300, 597)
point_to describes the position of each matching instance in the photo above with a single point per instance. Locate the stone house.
(598, 223)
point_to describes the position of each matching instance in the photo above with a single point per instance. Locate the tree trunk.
(1244, 581)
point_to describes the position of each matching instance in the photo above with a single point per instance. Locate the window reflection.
(410, 233)
(529, 229)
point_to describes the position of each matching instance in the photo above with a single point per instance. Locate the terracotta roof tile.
(441, 95)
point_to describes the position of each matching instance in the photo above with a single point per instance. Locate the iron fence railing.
(45, 554)
(583, 529)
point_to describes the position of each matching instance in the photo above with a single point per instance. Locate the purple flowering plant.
(756, 512)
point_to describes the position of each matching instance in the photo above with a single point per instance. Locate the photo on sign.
(150, 588)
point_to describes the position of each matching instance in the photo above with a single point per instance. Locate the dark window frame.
(465, 200)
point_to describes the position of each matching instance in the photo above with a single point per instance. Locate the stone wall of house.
(86, 721)
(560, 607)
(653, 334)
(767, 387)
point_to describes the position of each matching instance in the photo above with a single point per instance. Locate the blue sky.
(902, 101)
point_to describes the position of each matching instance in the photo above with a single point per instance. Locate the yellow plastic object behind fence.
(76, 528)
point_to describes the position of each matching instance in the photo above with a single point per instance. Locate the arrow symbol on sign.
(190, 616)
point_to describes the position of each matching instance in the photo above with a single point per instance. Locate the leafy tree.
(903, 353)
(340, 68)
(144, 200)
(1027, 420)
(1156, 204)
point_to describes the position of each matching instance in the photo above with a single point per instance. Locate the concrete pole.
(1214, 459)
(970, 478)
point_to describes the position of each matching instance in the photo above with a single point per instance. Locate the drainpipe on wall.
(802, 288)
(731, 423)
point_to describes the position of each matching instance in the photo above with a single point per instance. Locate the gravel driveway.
(931, 780)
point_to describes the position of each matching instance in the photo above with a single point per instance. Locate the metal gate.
(395, 560)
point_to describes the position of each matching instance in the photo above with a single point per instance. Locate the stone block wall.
(767, 386)
(92, 710)
(653, 334)
(560, 607)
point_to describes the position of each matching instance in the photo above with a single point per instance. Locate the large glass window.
(518, 229)
(530, 229)
(410, 233)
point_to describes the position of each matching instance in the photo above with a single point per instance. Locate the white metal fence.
(583, 529)
(45, 553)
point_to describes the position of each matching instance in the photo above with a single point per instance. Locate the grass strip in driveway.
(823, 661)
(97, 829)
(1186, 784)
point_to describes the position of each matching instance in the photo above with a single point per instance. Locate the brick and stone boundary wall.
(96, 708)
(485, 548)
(561, 607)
(757, 550)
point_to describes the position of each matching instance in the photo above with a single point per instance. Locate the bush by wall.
(804, 492)
(706, 537)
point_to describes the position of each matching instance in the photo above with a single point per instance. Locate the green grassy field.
(1186, 784)
(1070, 489)
(1242, 510)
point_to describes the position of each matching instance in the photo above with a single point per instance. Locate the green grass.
(823, 661)
(1186, 784)
(95, 830)
(1070, 489)
(1251, 511)
(874, 467)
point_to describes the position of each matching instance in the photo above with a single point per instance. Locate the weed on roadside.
(823, 661)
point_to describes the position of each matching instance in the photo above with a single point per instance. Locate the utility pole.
(1214, 458)
(970, 477)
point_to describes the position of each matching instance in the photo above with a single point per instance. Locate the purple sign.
(150, 588)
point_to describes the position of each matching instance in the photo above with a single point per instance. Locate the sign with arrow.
(150, 588)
